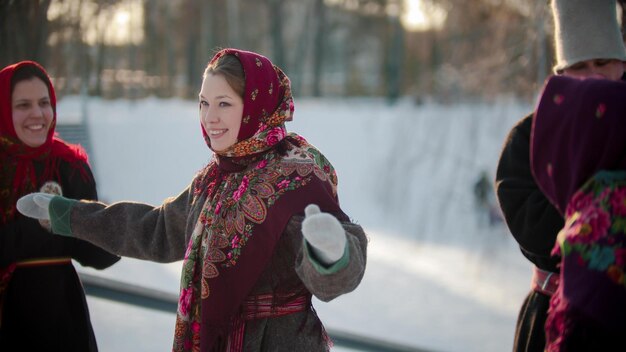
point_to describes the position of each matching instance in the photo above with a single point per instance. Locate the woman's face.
(221, 110)
(32, 111)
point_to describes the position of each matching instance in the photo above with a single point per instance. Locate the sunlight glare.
(418, 17)
(122, 18)
(118, 24)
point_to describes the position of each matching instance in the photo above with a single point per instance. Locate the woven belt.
(43, 262)
(258, 307)
(545, 282)
(7, 273)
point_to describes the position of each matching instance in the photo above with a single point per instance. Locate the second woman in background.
(588, 43)
(42, 303)
(578, 157)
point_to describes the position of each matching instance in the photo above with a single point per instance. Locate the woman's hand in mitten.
(35, 205)
(324, 233)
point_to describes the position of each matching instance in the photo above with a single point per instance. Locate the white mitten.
(324, 233)
(35, 205)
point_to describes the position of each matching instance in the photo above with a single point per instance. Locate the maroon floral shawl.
(17, 173)
(252, 189)
(577, 145)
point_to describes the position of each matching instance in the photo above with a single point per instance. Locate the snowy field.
(436, 278)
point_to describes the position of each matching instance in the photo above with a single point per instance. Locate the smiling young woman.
(259, 229)
(32, 111)
(221, 110)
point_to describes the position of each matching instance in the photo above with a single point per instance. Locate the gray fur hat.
(586, 30)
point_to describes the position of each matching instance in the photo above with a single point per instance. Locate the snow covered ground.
(436, 278)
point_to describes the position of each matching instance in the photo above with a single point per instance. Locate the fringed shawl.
(252, 190)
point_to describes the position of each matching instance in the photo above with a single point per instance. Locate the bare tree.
(233, 23)
(394, 53)
(622, 5)
(490, 47)
(23, 31)
(159, 51)
(275, 8)
(318, 45)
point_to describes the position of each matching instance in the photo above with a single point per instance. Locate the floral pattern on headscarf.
(268, 105)
(252, 190)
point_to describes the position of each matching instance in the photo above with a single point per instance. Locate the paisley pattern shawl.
(252, 191)
(578, 158)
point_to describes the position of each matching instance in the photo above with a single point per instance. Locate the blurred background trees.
(459, 49)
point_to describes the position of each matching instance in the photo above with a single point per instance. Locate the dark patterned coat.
(44, 306)
(161, 234)
(534, 223)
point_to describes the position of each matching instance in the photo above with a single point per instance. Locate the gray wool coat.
(161, 234)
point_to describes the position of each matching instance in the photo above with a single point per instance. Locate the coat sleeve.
(327, 283)
(533, 221)
(135, 230)
(82, 186)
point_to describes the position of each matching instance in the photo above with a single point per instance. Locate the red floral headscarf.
(252, 190)
(268, 103)
(17, 171)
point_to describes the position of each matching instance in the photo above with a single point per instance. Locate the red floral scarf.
(17, 171)
(592, 292)
(253, 189)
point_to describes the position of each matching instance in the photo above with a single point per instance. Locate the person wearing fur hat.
(588, 44)
(259, 229)
(42, 302)
(586, 183)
